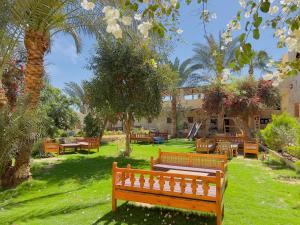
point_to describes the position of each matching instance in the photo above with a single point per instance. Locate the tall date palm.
(38, 21)
(214, 56)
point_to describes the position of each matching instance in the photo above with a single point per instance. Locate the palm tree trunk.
(127, 125)
(251, 70)
(36, 45)
(15, 174)
(174, 115)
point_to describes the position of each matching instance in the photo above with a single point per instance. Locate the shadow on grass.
(83, 169)
(275, 164)
(45, 212)
(131, 215)
(20, 203)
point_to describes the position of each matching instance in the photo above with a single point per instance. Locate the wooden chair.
(90, 143)
(142, 138)
(251, 147)
(224, 148)
(50, 147)
(204, 145)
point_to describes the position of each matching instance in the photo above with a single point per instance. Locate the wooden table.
(69, 145)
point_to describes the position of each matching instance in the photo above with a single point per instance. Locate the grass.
(76, 189)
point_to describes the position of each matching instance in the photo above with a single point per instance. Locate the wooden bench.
(205, 145)
(251, 148)
(142, 138)
(89, 143)
(50, 147)
(192, 192)
(232, 139)
(163, 135)
(208, 163)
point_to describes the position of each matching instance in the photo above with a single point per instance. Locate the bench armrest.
(153, 162)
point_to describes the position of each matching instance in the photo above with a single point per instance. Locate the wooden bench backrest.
(92, 142)
(210, 161)
(132, 136)
(223, 147)
(232, 139)
(204, 144)
(51, 147)
(137, 183)
(252, 146)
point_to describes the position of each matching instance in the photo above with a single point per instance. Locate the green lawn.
(76, 189)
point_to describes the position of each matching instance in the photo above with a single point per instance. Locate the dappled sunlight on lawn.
(76, 189)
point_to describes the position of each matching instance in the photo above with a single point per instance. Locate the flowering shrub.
(214, 96)
(248, 96)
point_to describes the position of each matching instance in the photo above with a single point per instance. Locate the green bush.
(37, 150)
(113, 132)
(297, 164)
(282, 132)
(294, 150)
(91, 128)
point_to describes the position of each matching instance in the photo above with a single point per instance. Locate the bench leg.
(114, 204)
(219, 218)
(223, 212)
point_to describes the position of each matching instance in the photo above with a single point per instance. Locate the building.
(290, 89)
(190, 113)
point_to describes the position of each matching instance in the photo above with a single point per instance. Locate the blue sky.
(64, 65)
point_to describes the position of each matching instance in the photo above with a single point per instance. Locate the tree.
(76, 91)
(57, 110)
(17, 128)
(184, 72)
(259, 61)
(128, 81)
(38, 21)
(247, 97)
(214, 56)
(99, 110)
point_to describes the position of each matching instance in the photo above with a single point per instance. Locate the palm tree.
(39, 21)
(214, 56)
(185, 71)
(76, 91)
(259, 61)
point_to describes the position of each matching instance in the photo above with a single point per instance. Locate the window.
(169, 120)
(191, 97)
(296, 109)
(298, 55)
(264, 121)
(149, 120)
(166, 98)
(190, 119)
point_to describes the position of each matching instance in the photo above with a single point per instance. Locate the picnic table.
(63, 147)
(74, 145)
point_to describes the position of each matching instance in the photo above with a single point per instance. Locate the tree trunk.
(251, 71)
(127, 125)
(15, 174)
(102, 128)
(36, 45)
(174, 115)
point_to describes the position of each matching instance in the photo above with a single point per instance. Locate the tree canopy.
(126, 79)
